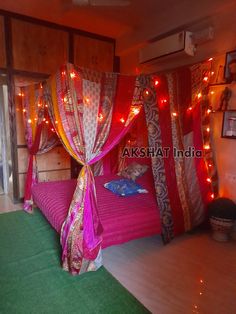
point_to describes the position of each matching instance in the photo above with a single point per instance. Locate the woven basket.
(221, 228)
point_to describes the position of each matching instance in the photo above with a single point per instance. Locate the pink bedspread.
(123, 218)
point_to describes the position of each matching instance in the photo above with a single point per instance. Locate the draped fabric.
(91, 112)
(179, 163)
(39, 134)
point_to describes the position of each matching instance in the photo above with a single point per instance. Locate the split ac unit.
(173, 46)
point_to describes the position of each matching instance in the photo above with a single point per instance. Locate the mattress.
(123, 218)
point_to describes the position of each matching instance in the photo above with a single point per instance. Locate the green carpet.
(32, 280)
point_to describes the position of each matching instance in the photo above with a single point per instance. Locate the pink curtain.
(91, 112)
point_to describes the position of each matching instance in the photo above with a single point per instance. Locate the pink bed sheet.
(123, 218)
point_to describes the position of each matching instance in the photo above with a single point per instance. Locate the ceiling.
(131, 25)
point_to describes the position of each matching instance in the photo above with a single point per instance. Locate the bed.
(123, 218)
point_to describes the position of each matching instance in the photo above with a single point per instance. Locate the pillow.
(124, 187)
(133, 171)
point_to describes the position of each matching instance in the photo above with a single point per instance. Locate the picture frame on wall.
(230, 67)
(229, 124)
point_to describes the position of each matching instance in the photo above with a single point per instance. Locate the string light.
(72, 75)
(56, 122)
(208, 130)
(24, 110)
(210, 59)
(201, 281)
(100, 117)
(206, 147)
(135, 111)
(208, 111)
(63, 73)
(21, 94)
(122, 120)
(199, 95)
(174, 114)
(208, 180)
(29, 121)
(212, 92)
(190, 108)
(212, 196)
(156, 82)
(205, 79)
(47, 122)
(212, 72)
(210, 165)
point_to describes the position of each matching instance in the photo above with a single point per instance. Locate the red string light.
(122, 120)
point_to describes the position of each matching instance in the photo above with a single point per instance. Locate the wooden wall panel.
(38, 48)
(93, 53)
(23, 157)
(54, 175)
(22, 184)
(20, 130)
(2, 45)
(57, 158)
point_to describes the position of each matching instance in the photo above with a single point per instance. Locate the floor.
(193, 274)
(6, 204)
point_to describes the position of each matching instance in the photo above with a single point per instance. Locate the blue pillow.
(124, 187)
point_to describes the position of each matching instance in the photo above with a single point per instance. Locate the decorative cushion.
(133, 171)
(124, 187)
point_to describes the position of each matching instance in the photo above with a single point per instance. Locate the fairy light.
(86, 100)
(63, 73)
(199, 95)
(208, 111)
(56, 122)
(174, 114)
(206, 147)
(135, 111)
(47, 122)
(190, 108)
(29, 121)
(44, 119)
(210, 165)
(65, 99)
(146, 92)
(212, 92)
(20, 94)
(212, 72)
(208, 129)
(156, 82)
(201, 281)
(210, 59)
(24, 110)
(208, 180)
(72, 75)
(35, 119)
(100, 117)
(200, 293)
(205, 79)
(212, 196)
(122, 120)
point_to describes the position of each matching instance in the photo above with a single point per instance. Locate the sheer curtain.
(39, 133)
(91, 112)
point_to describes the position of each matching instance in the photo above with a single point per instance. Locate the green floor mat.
(32, 280)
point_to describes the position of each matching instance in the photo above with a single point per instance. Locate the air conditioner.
(173, 46)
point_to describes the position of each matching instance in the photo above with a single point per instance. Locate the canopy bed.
(91, 113)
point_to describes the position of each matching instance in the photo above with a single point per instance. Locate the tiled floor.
(6, 204)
